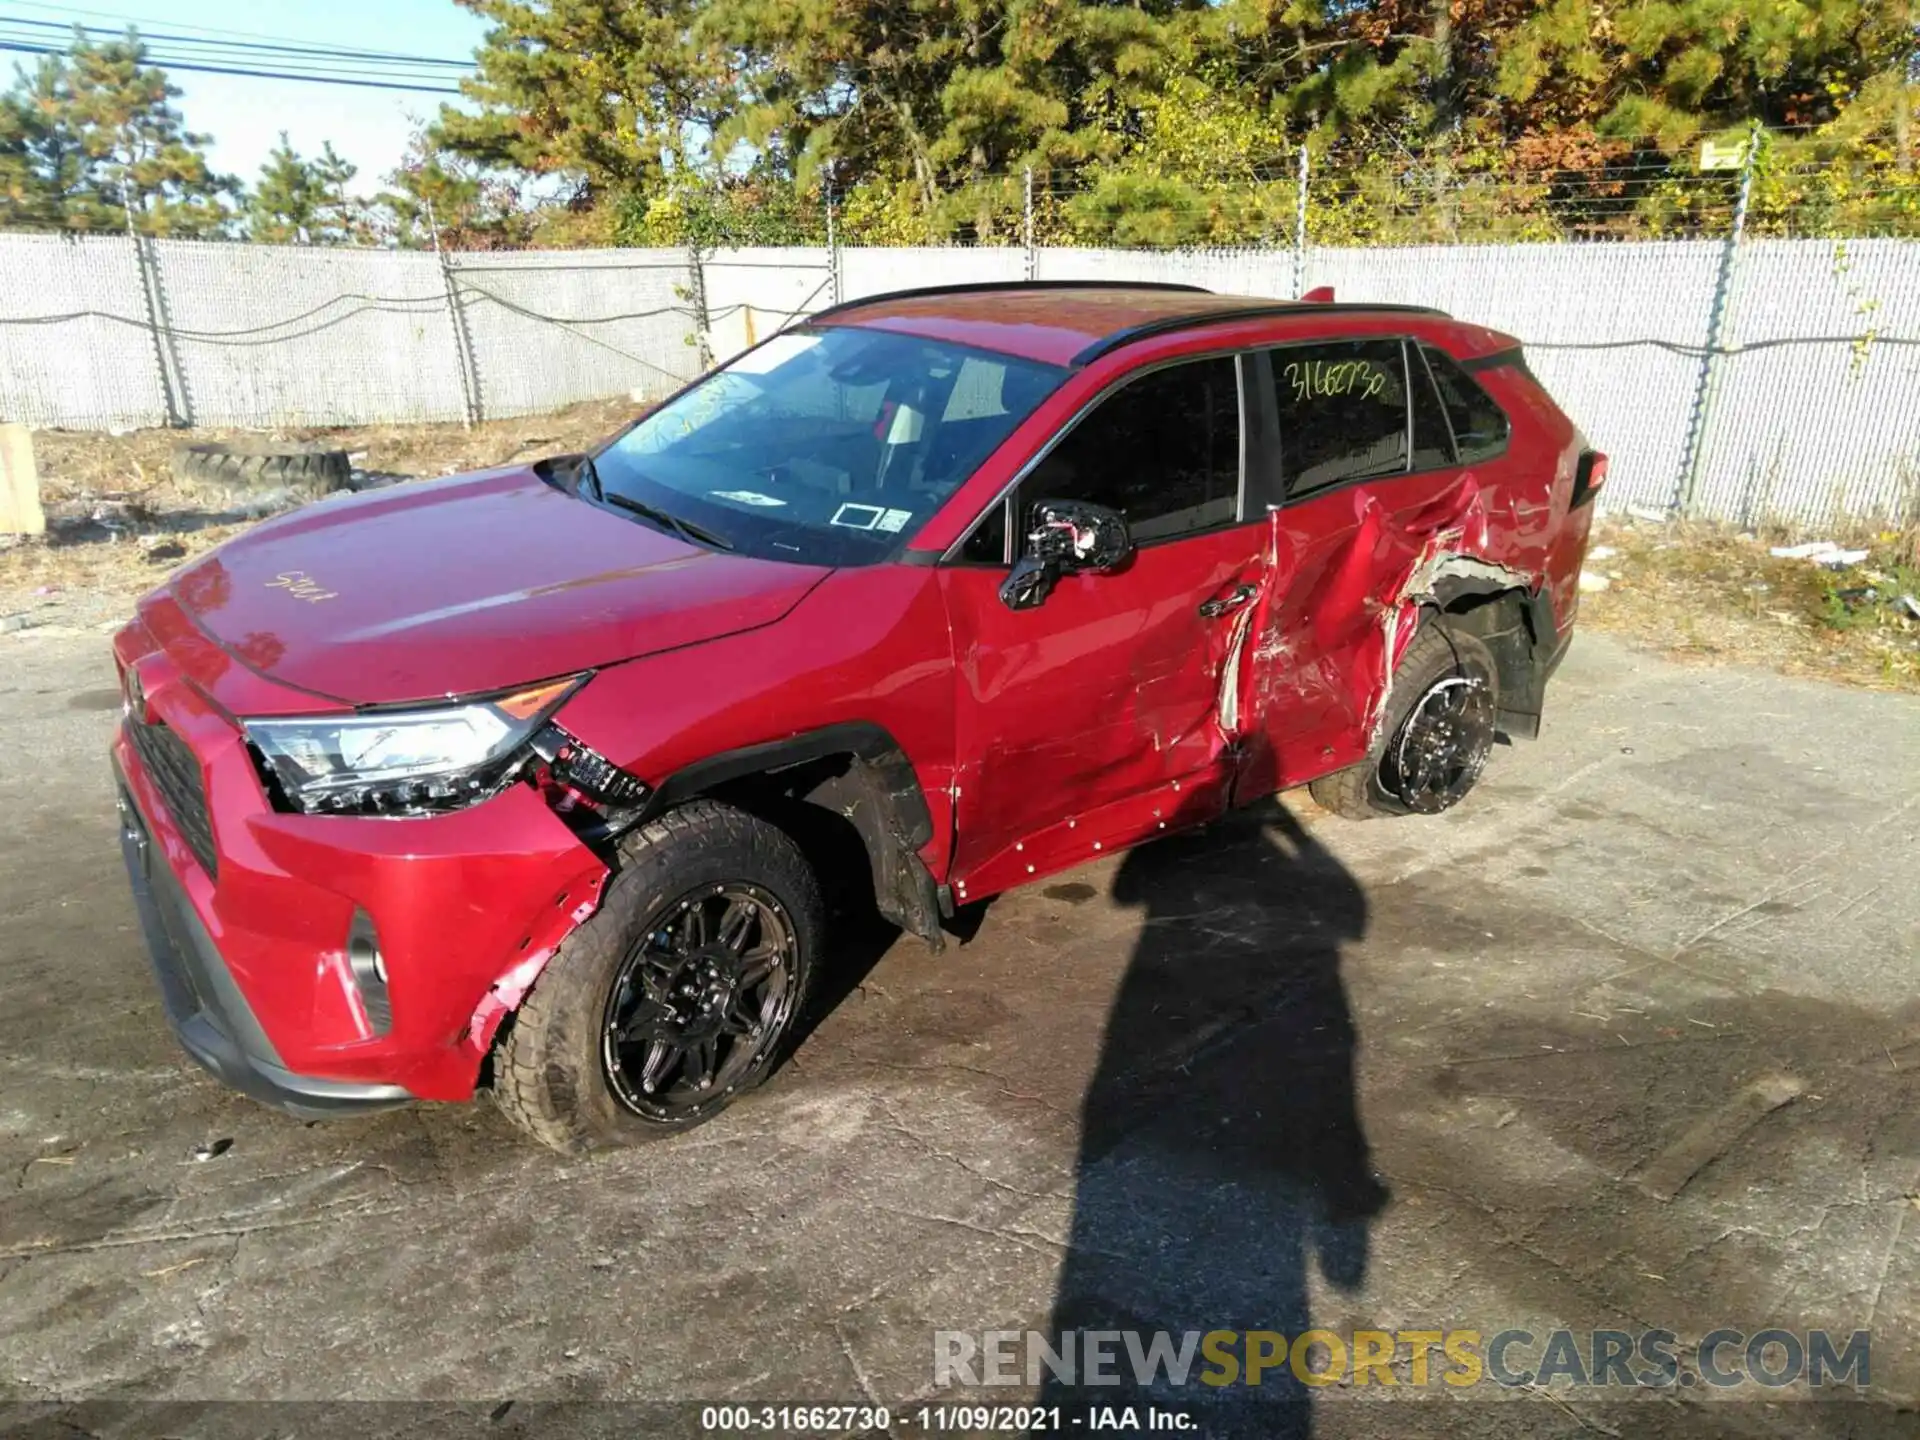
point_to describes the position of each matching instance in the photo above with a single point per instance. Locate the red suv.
(532, 778)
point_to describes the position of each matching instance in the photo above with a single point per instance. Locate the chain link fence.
(1744, 371)
(112, 332)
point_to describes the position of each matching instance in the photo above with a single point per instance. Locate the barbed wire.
(1385, 198)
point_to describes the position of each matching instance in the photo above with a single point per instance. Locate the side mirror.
(1065, 537)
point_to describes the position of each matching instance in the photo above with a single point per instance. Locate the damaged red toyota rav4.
(532, 778)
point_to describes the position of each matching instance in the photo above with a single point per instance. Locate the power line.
(310, 78)
(244, 47)
(168, 59)
(175, 24)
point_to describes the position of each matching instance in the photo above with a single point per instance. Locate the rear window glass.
(1479, 426)
(1432, 435)
(1343, 412)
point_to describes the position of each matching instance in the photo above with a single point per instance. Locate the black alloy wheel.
(701, 998)
(1441, 746)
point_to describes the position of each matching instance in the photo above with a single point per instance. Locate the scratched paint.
(505, 994)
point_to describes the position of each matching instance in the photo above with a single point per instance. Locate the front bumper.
(257, 919)
(204, 1006)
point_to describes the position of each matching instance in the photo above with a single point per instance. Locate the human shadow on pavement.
(1222, 1151)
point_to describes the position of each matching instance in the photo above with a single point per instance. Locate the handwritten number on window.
(1313, 378)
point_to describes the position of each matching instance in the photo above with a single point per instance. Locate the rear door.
(1094, 718)
(1370, 475)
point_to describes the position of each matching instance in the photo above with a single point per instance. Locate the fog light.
(369, 969)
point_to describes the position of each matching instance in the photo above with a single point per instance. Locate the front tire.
(680, 994)
(1435, 737)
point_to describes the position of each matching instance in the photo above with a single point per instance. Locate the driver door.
(1095, 718)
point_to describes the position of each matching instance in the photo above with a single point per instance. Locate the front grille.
(176, 775)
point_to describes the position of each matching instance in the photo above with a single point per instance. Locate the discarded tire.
(241, 469)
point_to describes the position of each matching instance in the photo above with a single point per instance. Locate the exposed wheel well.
(844, 794)
(801, 800)
(1508, 622)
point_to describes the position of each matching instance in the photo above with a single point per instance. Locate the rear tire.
(1442, 668)
(659, 988)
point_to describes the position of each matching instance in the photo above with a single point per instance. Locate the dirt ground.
(1631, 1040)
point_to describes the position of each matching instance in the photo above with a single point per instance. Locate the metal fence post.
(153, 299)
(1300, 229)
(456, 317)
(697, 274)
(1718, 318)
(834, 286)
(1026, 222)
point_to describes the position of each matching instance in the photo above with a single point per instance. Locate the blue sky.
(245, 116)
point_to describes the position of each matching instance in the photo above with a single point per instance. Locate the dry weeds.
(151, 525)
(1705, 593)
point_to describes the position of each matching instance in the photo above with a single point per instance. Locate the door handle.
(1227, 604)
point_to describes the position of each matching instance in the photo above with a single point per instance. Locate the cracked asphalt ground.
(1632, 1040)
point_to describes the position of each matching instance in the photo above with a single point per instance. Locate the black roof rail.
(1109, 343)
(996, 285)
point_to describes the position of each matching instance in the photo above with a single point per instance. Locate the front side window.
(829, 447)
(1343, 412)
(1164, 450)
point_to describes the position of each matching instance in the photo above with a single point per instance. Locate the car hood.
(474, 583)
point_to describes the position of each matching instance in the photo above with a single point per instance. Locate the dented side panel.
(1111, 689)
(1354, 568)
(869, 646)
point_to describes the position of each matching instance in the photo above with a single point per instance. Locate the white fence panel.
(873, 271)
(1817, 431)
(96, 369)
(301, 335)
(1575, 307)
(552, 327)
(752, 293)
(1266, 273)
(1803, 425)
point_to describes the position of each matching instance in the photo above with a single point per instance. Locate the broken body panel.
(997, 745)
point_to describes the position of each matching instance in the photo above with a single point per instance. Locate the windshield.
(829, 447)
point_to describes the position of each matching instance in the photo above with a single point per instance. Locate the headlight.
(405, 762)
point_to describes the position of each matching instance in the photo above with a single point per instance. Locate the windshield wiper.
(685, 529)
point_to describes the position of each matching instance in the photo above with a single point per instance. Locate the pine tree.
(305, 202)
(88, 141)
(945, 99)
(1673, 69)
(146, 170)
(437, 192)
(342, 218)
(613, 97)
(42, 166)
(285, 203)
